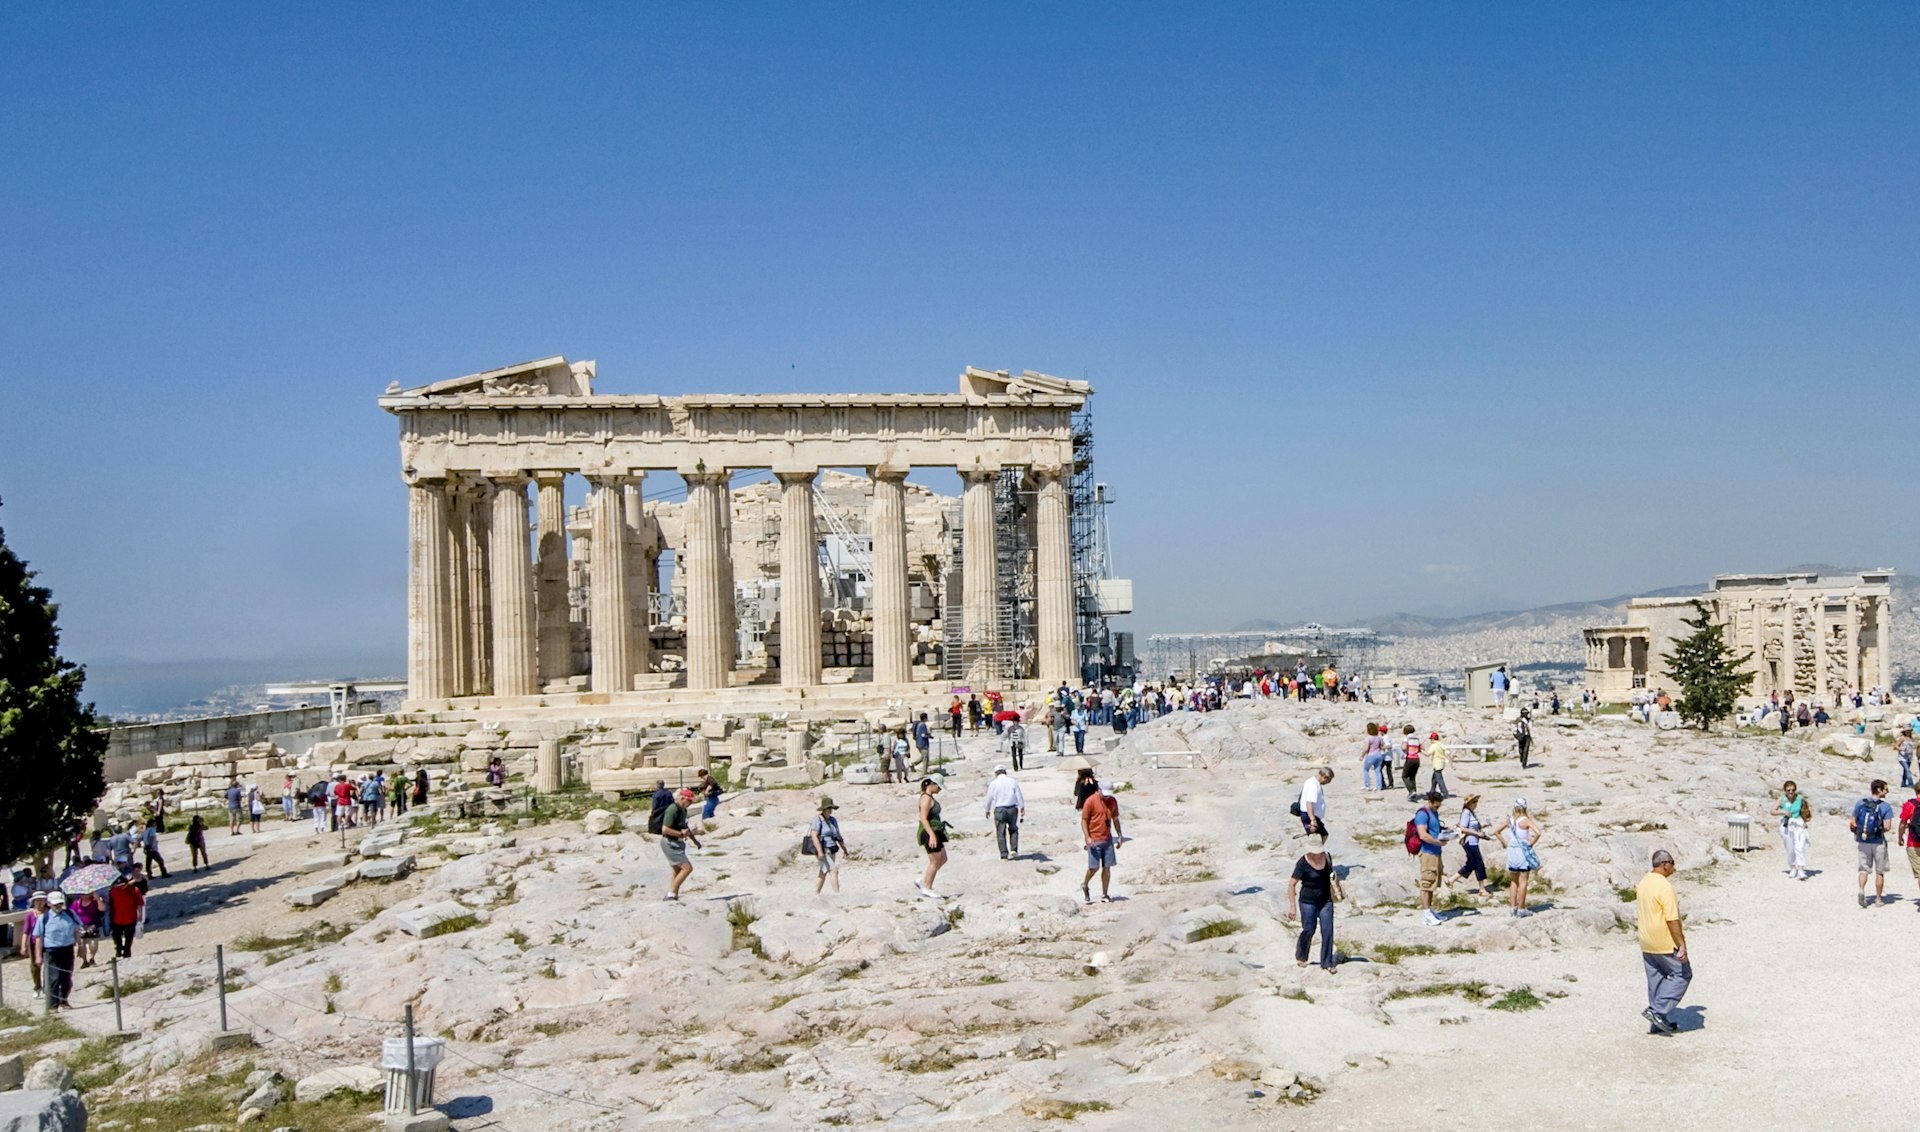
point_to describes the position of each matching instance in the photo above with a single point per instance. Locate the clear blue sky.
(1423, 307)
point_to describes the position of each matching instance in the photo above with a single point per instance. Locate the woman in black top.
(1310, 896)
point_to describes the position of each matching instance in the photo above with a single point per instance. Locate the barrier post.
(413, 1102)
(114, 965)
(220, 981)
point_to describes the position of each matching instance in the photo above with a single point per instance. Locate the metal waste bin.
(1739, 832)
(426, 1057)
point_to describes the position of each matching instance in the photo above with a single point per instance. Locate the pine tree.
(50, 754)
(1711, 675)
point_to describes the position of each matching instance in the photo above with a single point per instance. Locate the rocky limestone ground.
(573, 997)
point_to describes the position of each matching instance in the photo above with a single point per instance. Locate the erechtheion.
(494, 613)
(1808, 633)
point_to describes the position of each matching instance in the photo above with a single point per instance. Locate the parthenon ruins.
(492, 613)
(1810, 634)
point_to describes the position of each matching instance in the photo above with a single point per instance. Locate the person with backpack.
(1426, 836)
(1523, 736)
(1871, 818)
(317, 802)
(662, 798)
(1311, 809)
(1910, 831)
(1410, 762)
(676, 830)
(825, 844)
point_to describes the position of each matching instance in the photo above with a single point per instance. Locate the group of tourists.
(61, 932)
(348, 803)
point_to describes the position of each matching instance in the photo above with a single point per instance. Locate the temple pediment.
(545, 377)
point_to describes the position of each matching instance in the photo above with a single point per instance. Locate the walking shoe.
(1434, 921)
(1659, 1024)
(1863, 900)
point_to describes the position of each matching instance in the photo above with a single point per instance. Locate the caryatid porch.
(488, 615)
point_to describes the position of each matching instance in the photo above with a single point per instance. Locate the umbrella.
(1077, 762)
(89, 878)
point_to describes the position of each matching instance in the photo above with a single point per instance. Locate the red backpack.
(1413, 833)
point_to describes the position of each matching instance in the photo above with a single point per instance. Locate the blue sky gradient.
(1428, 308)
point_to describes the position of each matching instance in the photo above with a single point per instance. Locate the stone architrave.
(979, 566)
(550, 586)
(892, 656)
(610, 625)
(515, 632)
(1053, 569)
(799, 583)
(429, 597)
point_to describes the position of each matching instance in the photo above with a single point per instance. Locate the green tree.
(50, 754)
(1711, 675)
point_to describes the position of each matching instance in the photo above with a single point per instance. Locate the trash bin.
(1739, 832)
(426, 1057)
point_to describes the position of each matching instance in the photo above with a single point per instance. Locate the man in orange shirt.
(1100, 822)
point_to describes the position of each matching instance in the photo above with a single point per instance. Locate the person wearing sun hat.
(57, 933)
(827, 845)
(676, 829)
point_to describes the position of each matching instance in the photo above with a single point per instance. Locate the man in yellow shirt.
(1663, 945)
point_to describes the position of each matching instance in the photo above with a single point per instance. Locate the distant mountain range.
(1586, 612)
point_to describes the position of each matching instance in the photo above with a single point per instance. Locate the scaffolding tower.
(1088, 554)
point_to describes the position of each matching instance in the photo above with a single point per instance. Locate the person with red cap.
(676, 829)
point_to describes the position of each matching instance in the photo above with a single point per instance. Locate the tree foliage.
(1711, 676)
(50, 755)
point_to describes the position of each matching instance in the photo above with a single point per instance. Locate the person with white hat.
(55, 935)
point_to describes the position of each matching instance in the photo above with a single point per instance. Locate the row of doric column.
(486, 616)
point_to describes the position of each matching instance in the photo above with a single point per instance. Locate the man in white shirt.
(1007, 806)
(1313, 801)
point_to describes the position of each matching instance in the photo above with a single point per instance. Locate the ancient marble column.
(1053, 575)
(1883, 642)
(1820, 648)
(479, 509)
(892, 641)
(610, 626)
(980, 595)
(799, 583)
(1855, 674)
(550, 584)
(1789, 649)
(639, 586)
(515, 624)
(459, 595)
(709, 596)
(429, 604)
